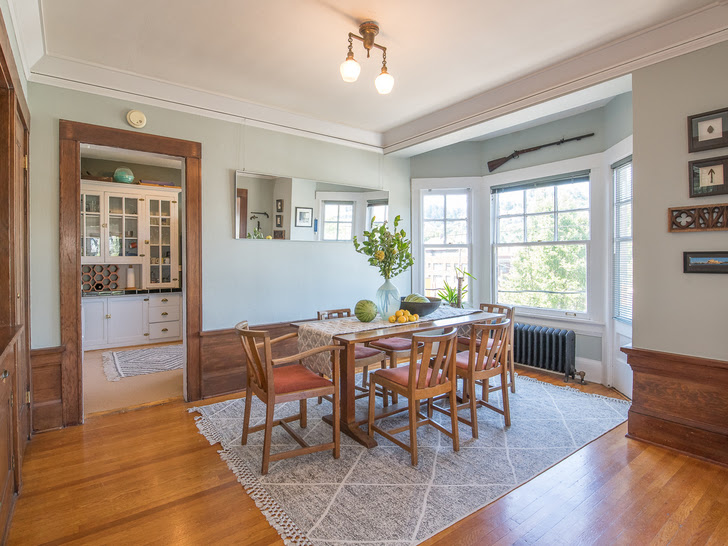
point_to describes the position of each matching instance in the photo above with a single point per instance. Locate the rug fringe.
(112, 374)
(534, 380)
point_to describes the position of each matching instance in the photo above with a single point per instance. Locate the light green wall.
(610, 123)
(673, 311)
(260, 281)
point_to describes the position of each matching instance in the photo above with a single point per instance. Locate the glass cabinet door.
(163, 266)
(91, 250)
(123, 229)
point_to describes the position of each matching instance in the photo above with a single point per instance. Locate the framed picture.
(279, 220)
(705, 262)
(304, 217)
(708, 131)
(279, 233)
(279, 205)
(708, 176)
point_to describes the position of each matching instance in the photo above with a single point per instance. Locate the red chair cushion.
(462, 359)
(466, 341)
(360, 351)
(401, 375)
(297, 378)
(393, 344)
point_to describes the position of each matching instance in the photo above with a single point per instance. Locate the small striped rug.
(119, 364)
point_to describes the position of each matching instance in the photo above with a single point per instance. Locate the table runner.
(321, 332)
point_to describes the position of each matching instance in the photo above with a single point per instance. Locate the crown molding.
(696, 30)
(26, 17)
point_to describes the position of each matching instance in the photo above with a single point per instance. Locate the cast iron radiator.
(547, 348)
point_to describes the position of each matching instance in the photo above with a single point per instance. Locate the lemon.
(412, 318)
(402, 319)
(407, 313)
(392, 319)
(417, 317)
(399, 313)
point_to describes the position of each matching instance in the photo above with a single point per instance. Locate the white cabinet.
(121, 321)
(132, 224)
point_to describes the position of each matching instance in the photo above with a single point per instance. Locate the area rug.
(119, 364)
(374, 496)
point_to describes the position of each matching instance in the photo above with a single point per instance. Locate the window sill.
(582, 326)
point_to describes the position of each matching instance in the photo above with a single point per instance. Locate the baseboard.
(593, 368)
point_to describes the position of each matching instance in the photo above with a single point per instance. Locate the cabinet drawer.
(164, 330)
(163, 314)
(164, 300)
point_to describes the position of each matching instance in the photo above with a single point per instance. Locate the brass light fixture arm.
(371, 44)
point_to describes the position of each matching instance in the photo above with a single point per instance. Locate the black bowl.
(420, 308)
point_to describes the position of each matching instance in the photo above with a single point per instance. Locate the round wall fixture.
(136, 118)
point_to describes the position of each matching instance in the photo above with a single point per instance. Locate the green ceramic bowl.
(124, 174)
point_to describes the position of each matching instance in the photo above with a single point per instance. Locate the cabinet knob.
(164, 300)
(165, 330)
(108, 316)
(142, 255)
(174, 279)
(18, 295)
(104, 225)
(4, 375)
(146, 299)
(146, 242)
(146, 334)
(165, 314)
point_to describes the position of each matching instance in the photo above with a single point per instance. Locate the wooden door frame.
(71, 135)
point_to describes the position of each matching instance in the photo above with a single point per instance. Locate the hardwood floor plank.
(149, 477)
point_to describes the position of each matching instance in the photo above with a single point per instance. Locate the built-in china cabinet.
(130, 273)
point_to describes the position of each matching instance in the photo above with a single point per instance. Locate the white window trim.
(359, 199)
(419, 187)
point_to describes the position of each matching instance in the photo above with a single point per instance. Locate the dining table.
(349, 332)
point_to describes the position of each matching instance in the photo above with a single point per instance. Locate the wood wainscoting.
(47, 410)
(680, 402)
(222, 361)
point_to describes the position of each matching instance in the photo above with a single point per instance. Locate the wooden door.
(21, 287)
(7, 476)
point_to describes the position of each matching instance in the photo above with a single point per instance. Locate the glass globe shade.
(350, 70)
(384, 82)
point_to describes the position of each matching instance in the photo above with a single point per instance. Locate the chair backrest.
(503, 309)
(485, 356)
(334, 313)
(258, 355)
(441, 360)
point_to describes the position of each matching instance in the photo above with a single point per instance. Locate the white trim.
(593, 368)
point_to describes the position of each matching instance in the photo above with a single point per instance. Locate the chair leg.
(413, 404)
(429, 408)
(473, 408)
(506, 404)
(320, 398)
(393, 364)
(246, 419)
(454, 420)
(337, 424)
(304, 413)
(372, 398)
(512, 365)
(267, 438)
(365, 377)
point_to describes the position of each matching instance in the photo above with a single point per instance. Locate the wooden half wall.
(45, 369)
(680, 402)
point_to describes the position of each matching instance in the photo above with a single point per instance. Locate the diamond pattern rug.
(119, 364)
(374, 496)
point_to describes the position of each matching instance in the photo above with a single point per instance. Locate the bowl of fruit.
(420, 305)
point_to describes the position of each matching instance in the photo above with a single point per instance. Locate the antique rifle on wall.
(493, 165)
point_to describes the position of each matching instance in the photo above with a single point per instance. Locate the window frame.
(559, 180)
(617, 240)
(337, 202)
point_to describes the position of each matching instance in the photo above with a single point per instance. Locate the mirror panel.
(298, 209)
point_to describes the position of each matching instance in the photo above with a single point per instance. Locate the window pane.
(510, 230)
(345, 213)
(574, 226)
(547, 277)
(510, 202)
(433, 233)
(440, 264)
(331, 212)
(457, 205)
(540, 199)
(433, 207)
(540, 228)
(624, 219)
(573, 196)
(330, 231)
(457, 232)
(344, 231)
(115, 205)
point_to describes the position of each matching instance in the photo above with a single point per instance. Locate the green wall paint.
(259, 281)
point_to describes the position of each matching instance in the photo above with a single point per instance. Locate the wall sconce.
(350, 68)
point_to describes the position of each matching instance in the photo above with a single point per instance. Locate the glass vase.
(387, 299)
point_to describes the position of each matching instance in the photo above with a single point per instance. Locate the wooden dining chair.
(278, 380)
(363, 356)
(508, 312)
(478, 364)
(396, 348)
(432, 376)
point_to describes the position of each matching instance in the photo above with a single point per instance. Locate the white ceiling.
(276, 61)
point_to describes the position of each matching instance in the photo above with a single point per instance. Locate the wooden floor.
(147, 476)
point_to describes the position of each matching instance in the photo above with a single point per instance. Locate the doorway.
(72, 136)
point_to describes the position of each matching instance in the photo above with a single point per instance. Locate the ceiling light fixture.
(350, 69)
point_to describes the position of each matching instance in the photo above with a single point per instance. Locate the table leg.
(348, 401)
